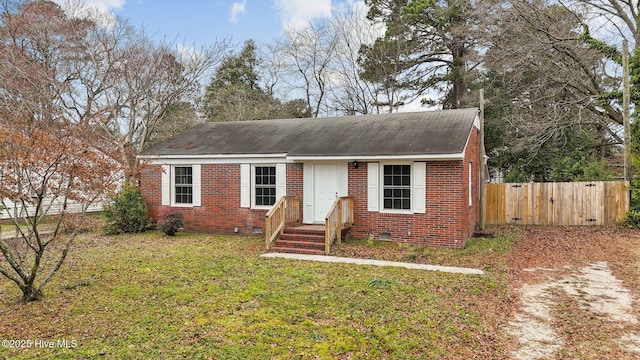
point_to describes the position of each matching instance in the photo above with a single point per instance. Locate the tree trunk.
(458, 73)
(30, 293)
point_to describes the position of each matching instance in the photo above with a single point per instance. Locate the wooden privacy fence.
(575, 203)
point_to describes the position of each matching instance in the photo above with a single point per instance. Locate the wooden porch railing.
(285, 211)
(339, 217)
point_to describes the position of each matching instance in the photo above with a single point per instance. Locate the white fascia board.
(212, 156)
(466, 144)
(283, 158)
(438, 157)
(215, 159)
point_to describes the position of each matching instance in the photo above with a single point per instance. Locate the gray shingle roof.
(417, 133)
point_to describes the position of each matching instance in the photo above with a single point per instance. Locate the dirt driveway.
(577, 294)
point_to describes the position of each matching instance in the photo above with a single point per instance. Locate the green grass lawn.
(212, 297)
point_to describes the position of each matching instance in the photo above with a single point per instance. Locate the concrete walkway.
(344, 260)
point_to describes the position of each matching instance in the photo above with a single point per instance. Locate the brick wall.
(472, 155)
(441, 225)
(220, 192)
(448, 220)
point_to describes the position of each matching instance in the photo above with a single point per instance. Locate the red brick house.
(411, 177)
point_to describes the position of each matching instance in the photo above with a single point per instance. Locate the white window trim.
(253, 186)
(381, 182)
(375, 188)
(248, 184)
(470, 184)
(169, 186)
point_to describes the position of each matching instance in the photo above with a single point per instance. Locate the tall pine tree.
(234, 92)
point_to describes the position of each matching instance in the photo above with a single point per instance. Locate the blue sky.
(202, 21)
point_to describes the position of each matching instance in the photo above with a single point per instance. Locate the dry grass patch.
(203, 296)
(577, 287)
(486, 253)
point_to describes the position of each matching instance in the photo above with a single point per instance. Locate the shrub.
(632, 219)
(172, 223)
(633, 215)
(126, 212)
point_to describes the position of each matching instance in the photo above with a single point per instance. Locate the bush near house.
(126, 212)
(172, 223)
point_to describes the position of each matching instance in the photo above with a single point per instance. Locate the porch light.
(355, 164)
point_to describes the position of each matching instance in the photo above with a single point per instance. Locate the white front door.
(326, 190)
(322, 184)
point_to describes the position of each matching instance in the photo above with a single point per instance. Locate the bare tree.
(350, 93)
(177, 118)
(323, 62)
(553, 79)
(307, 53)
(46, 159)
(79, 98)
(126, 82)
(234, 92)
(552, 85)
(44, 166)
(609, 20)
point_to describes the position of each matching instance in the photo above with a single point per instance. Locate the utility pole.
(483, 186)
(626, 99)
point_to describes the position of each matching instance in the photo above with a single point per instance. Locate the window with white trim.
(183, 185)
(396, 187)
(261, 185)
(264, 185)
